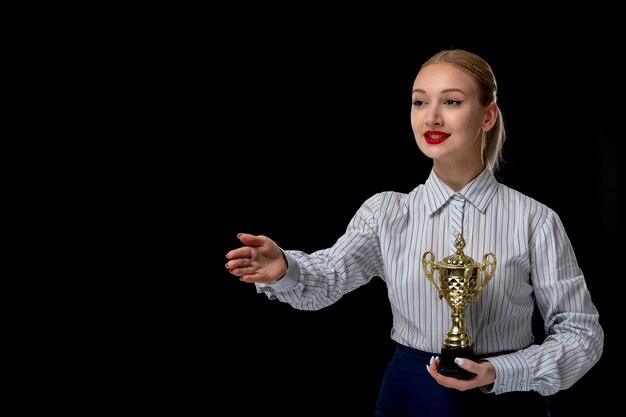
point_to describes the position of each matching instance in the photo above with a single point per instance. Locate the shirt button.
(522, 383)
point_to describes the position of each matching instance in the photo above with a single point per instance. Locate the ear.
(491, 115)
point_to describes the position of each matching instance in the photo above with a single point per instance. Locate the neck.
(457, 175)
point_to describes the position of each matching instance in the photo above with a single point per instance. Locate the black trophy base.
(447, 366)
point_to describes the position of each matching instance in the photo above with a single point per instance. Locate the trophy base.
(447, 366)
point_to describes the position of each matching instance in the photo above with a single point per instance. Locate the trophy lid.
(458, 260)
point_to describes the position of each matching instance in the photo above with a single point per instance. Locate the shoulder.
(395, 198)
(390, 205)
(525, 204)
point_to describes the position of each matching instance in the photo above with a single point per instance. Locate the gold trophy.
(458, 284)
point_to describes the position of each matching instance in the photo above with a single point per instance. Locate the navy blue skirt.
(408, 390)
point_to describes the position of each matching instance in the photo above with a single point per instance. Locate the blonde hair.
(480, 71)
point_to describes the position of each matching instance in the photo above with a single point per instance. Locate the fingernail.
(432, 359)
(227, 256)
(226, 265)
(427, 369)
(458, 361)
(238, 235)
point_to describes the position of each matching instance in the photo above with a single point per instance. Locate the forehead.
(435, 78)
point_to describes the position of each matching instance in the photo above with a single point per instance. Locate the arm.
(316, 280)
(574, 338)
(574, 341)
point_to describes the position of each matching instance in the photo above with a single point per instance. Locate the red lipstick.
(434, 137)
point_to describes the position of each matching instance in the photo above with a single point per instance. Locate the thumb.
(466, 364)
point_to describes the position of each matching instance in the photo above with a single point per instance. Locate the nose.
(433, 118)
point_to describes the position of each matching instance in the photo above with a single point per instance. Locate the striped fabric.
(387, 238)
(456, 207)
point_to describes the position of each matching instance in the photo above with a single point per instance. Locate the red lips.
(434, 137)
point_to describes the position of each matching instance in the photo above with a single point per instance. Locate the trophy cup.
(458, 284)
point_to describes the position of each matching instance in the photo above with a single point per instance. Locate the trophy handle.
(429, 267)
(489, 269)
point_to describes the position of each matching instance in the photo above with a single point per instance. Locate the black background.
(297, 122)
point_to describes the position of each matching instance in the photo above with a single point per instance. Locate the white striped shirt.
(388, 236)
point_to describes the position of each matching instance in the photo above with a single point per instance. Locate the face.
(446, 116)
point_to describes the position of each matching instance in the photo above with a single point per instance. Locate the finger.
(431, 367)
(239, 253)
(238, 263)
(251, 278)
(250, 271)
(252, 240)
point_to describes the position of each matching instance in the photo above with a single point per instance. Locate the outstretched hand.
(485, 374)
(260, 260)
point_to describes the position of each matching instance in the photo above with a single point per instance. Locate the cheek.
(421, 145)
(416, 120)
(418, 134)
(425, 148)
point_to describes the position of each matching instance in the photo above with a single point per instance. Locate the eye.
(452, 103)
(418, 102)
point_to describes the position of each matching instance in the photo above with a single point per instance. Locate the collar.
(479, 192)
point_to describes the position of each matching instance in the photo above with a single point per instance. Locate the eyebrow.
(447, 90)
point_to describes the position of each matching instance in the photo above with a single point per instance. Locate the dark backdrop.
(303, 123)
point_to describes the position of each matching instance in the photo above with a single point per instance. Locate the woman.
(456, 123)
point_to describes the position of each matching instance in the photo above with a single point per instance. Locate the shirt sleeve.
(574, 337)
(319, 279)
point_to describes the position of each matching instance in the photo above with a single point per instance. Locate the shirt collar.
(478, 192)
